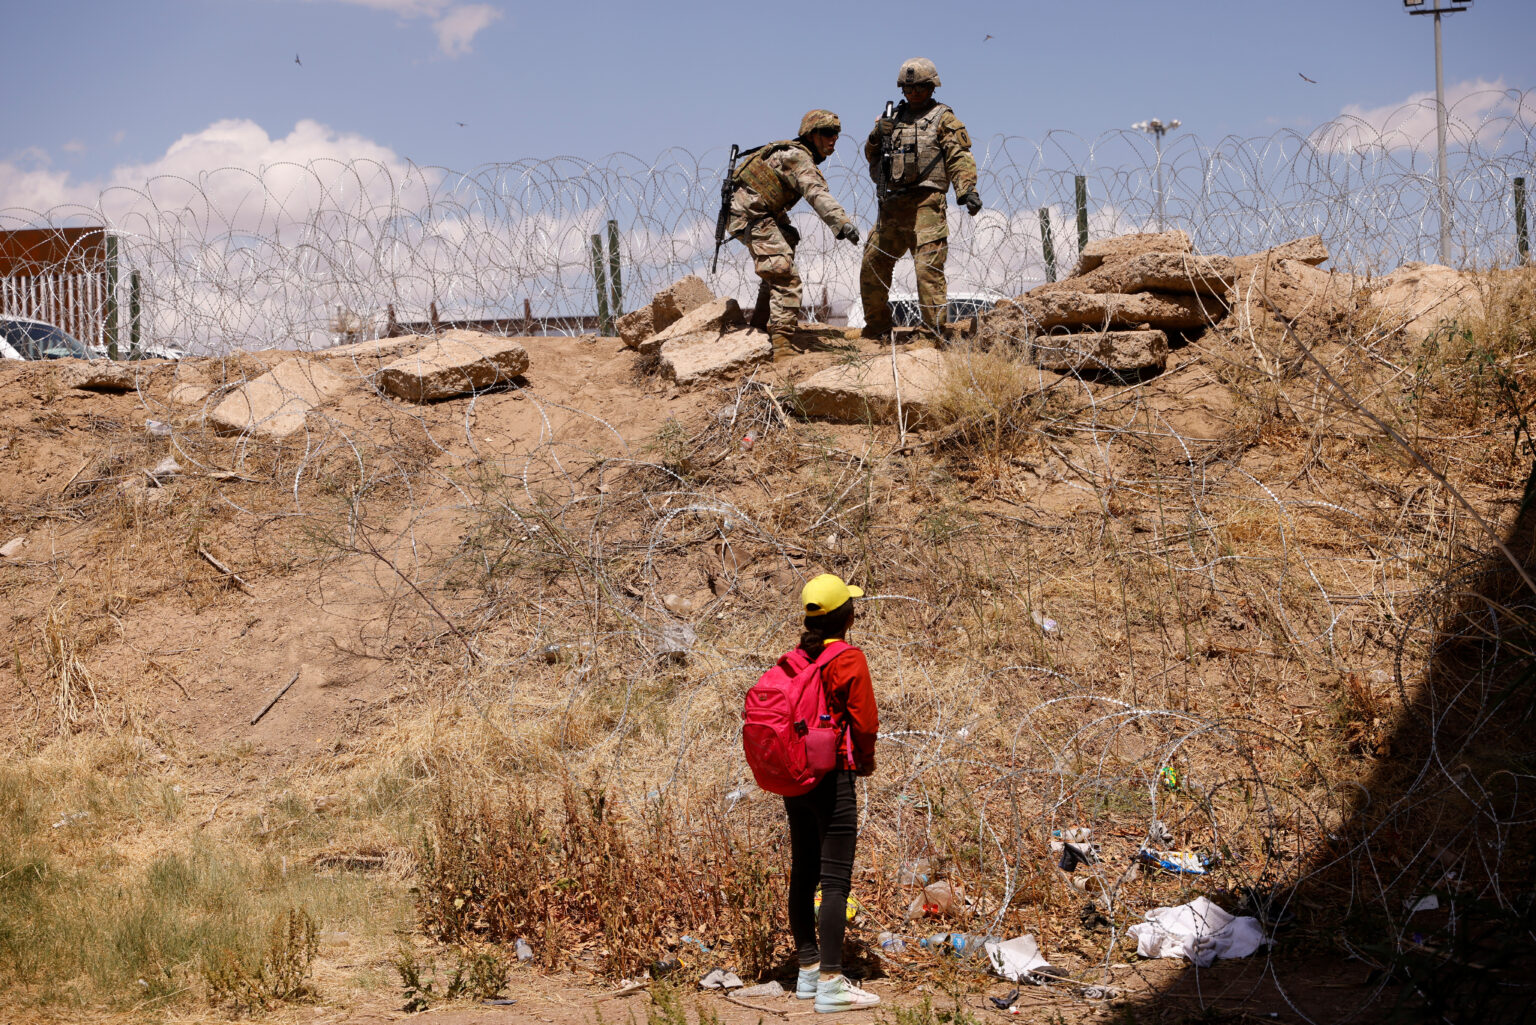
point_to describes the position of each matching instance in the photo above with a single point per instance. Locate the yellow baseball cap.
(827, 593)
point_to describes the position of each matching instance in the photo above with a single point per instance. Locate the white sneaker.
(805, 984)
(838, 994)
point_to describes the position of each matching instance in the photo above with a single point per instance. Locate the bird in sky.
(297, 61)
(1304, 78)
(459, 123)
(988, 36)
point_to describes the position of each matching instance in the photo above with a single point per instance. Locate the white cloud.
(456, 29)
(1476, 112)
(456, 25)
(73, 146)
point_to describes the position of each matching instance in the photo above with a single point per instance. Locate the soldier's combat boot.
(783, 345)
(878, 334)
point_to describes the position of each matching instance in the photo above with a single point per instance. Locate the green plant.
(478, 974)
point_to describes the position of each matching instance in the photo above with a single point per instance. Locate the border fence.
(302, 255)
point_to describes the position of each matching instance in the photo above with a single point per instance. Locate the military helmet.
(819, 119)
(918, 71)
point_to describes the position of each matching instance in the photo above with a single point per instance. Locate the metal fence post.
(1082, 214)
(617, 305)
(1522, 230)
(133, 313)
(604, 327)
(110, 313)
(1046, 244)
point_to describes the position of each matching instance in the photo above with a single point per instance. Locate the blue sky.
(117, 85)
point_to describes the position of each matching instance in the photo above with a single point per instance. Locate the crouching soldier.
(914, 156)
(770, 180)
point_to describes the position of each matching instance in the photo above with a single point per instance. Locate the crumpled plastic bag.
(720, 979)
(1017, 958)
(1199, 931)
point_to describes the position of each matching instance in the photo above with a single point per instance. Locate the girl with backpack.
(823, 822)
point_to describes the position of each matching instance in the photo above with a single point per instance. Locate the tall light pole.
(1417, 7)
(1157, 129)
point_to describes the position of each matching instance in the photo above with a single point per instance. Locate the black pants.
(823, 829)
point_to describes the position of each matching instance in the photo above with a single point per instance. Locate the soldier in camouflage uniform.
(930, 150)
(771, 180)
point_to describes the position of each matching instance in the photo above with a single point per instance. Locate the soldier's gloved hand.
(848, 233)
(971, 201)
(791, 235)
(884, 127)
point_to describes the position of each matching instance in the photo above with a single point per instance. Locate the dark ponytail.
(820, 629)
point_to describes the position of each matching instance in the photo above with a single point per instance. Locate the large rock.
(1184, 273)
(97, 375)
(1121, 351)
(696, 358)
(636, 327)
(1315, 300)
(1417, 297)
(709, 321)
(277, 403)
(1121, 247)
(371, 355)
(1042, 310)
(459, 363)
(1309, 250)
(677, 300)
(866, 391)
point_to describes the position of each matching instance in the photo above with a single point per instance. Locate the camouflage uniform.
(930, 151)
(772, 180)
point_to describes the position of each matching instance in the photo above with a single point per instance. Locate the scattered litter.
(1099, 992)
(1002, 1003)
(697, 943)
(500, 1002)
(719, 978)
(919, 871)
(11, 547)
(163, 471)
(1199, 931)
(963, 945)
(1170, 777)
(524, 951)
(665, 967)
(937, 899)
(1017, 959)
(1428, 903)
(1074, 854)
(1093, 919)
(1178, 862)
(1158, 834)
(891, 943)
(74, 816)
(1047, 625)
(158, 428)
(1077, 834)
(767, 989)
(747, 441)
(674, 641)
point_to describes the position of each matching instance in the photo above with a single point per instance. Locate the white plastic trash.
(1199, 931)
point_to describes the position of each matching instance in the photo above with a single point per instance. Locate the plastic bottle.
(891, 943)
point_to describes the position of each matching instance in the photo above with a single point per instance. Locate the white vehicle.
(25, 338)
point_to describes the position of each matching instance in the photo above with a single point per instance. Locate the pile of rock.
(1128, 293)
(694, 335)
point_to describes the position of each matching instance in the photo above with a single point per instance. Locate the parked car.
(25, 338)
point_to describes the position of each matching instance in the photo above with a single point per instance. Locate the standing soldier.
(771, 180)
(914, 156)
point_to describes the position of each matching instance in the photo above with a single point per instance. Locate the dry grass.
(1255, 612)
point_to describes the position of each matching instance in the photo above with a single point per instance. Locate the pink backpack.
(785, 730)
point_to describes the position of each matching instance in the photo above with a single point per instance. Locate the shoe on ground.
(875, 333)
(805, 983)
(838, 994)
(783, 344)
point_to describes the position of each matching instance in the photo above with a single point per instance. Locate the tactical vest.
(774, 187)
(917, 159)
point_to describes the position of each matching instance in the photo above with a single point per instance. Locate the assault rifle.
(883, 188)
(726, 188)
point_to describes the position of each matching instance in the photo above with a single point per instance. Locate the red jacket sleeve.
(851, 694)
